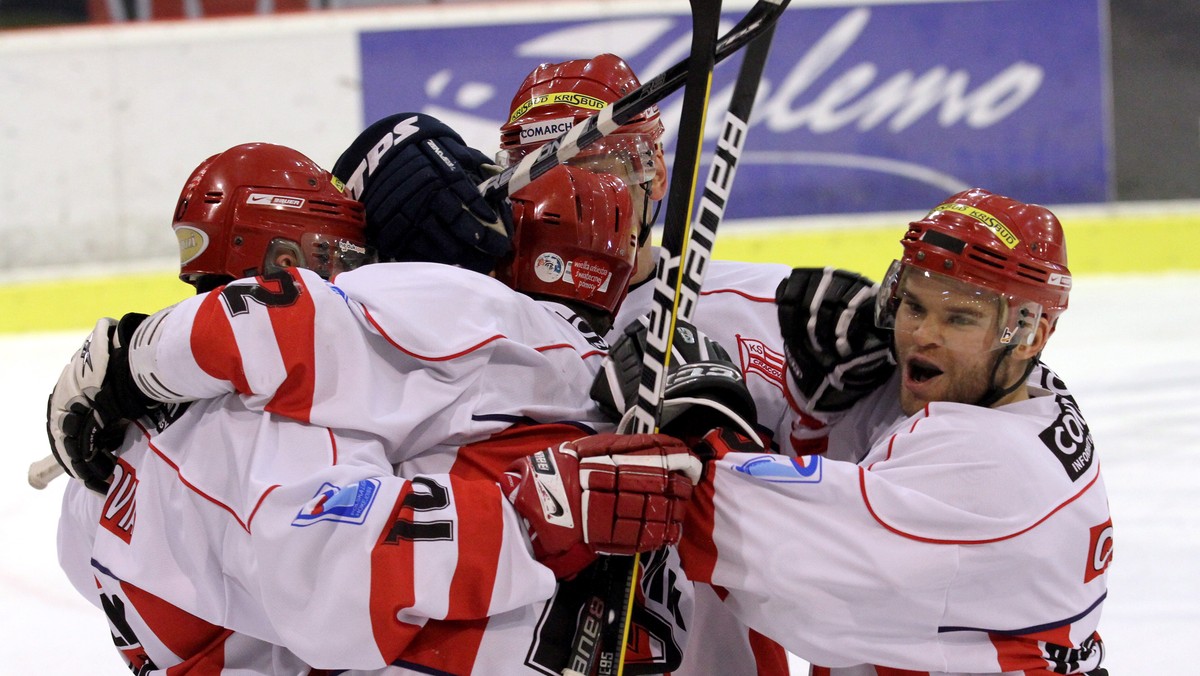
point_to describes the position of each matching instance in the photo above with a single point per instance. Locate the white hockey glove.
(93, 401)
(835, 353)
(704, 388)
(604, 494)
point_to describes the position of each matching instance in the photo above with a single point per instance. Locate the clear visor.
(960, 315)
(630, 157)
(324, 255)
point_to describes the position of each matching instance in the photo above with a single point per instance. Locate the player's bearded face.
(945, 341)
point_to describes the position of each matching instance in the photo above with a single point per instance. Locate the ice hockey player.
(203, 535)
(970, 531)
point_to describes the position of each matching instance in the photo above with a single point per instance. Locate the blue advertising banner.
(865, 108)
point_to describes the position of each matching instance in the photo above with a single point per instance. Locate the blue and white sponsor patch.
(334, 503)
(805, 469)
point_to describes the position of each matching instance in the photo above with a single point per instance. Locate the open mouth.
(920, 371)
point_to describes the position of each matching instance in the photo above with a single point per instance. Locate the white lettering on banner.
(855, 96)
(904, 97)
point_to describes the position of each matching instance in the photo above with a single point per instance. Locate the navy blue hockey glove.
(835, 353)
(704, 388)
(93, 401)
(418, 182)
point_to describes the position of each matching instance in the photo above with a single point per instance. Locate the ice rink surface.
(1127, 348)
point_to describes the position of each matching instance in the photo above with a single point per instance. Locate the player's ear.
(1037, 343)
(658, 187)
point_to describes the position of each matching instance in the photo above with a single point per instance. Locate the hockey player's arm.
(446, 548)
(847, 564)
(349, 569)
(252, 336)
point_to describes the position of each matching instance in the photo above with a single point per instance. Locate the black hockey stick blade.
(761, 16)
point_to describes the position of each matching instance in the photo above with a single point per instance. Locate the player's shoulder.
(756, 281)
(436, 310)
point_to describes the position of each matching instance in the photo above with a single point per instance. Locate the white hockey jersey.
(237, 541)
(966, 540)
(246, 520)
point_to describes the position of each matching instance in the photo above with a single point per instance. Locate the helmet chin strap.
(647, 225)
(995, 393)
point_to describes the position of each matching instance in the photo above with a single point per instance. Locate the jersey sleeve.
(253, 336)
(924, 559)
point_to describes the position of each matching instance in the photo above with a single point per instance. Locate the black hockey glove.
(704, 388)
(835, 353)
(93, 401)
(417, 182)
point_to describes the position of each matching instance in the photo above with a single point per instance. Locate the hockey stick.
(721, 173)
(621, 574)
(619, 588)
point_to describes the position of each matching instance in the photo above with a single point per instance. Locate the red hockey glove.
(604, 494)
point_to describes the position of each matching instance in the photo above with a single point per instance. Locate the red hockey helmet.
(557, 96)
(575, 238)
(990, 242)
(258, 207)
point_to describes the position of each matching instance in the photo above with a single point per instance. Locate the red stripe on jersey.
(480, 529)
(261, 499)
(697, 548)
(892, 440)
(446, 647)
(1027, 654)
(862, 484)
(480, 536)
(743, 294)
(199, 644)
(818, 671)
(398, 346)
(295, 334)
(568, 346)
(447, 357)
(333, 453)
(213, 345)
(489, 458)
(392, 584)
(769, 656)
(889, 671)
(163, 456)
